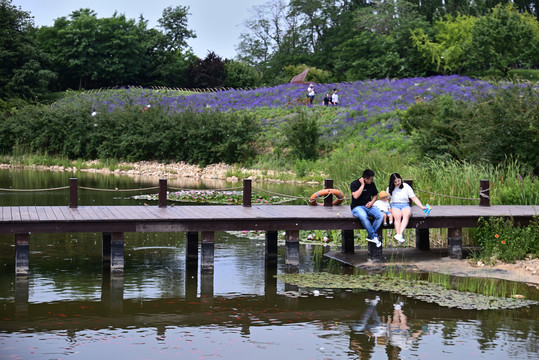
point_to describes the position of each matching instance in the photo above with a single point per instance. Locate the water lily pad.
(417, 289)
(215, 197)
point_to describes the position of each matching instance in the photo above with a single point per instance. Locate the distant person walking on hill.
(401, 194)
(335, 97)
(310, 93)
(364, 194)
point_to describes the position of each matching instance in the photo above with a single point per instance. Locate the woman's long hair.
(392, 182)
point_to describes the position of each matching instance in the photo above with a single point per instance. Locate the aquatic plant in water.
(216, 197)
(417, 289)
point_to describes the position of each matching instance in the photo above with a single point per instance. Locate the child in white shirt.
(383, 204)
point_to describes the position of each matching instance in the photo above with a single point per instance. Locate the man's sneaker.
(375, 240)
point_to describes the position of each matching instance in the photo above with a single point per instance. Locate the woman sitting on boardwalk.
(401, 194)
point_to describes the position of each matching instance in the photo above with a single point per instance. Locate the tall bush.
(497, 126)
(302, 135)
(131, 133)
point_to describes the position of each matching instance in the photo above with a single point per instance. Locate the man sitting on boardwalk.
(364, 194)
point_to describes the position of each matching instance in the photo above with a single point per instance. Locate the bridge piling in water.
(22, 254)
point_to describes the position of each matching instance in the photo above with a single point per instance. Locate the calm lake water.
(165, 308)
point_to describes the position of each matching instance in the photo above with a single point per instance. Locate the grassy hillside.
(266, 128)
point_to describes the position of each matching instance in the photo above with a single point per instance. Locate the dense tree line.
(343, 40)
(361, 39)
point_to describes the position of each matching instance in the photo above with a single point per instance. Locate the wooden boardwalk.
(62, 219)
(114, 221)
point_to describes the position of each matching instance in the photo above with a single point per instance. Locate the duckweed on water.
(417, 289)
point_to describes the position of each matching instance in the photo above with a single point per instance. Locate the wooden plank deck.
(61, 219)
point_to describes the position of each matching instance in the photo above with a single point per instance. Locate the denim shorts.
(400, 205)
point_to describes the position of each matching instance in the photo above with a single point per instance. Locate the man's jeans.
(363, 213)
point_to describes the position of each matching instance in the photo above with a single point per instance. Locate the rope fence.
(483, 192)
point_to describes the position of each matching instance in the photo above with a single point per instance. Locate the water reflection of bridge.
(271, 308)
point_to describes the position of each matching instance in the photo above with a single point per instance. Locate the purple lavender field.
(359, 100)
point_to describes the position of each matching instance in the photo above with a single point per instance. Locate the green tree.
(174, 24)
(207, 73)
(240, 75)
(22, 70)
(73, 47)
(383, 45)
(449, 50)
(503, 39)
(120, 50)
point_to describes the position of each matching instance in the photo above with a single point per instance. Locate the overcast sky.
(217, 23)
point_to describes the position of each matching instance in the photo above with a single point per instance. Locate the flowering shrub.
(500, 239)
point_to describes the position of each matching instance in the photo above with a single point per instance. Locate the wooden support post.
(270, 280)
(347, 241)
(454, 242)
(206, 283)
(162, 193)
(191, 279)
(374, 254)
(106, 248)
(207, 250)
(22, 254)
(247, 192)
(21, 295)
(292, 248)
(422, 241)
(328, 200)
(271, 245)
(73, 193)
(484, 193)
(191, 244)
(117, 253)
(112, 292)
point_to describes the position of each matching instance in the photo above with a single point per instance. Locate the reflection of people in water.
(398, 330)
(372, 330)
(365, 331)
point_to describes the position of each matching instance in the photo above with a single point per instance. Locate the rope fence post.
(484, 193)
(247, 192)
(162, 193)
(73, 193)
(328, 200)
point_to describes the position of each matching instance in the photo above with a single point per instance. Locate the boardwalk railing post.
(247, 192)
(162, 193)
(328, 200)
(73, 193)
(484, 193)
